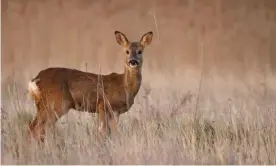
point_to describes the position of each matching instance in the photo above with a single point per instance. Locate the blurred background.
(227, 45)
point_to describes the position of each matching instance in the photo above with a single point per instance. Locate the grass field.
(208, 92)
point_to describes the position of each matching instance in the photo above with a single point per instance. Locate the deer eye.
(127, 51)
(139, 52)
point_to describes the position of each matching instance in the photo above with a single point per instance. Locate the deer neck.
(132, 81)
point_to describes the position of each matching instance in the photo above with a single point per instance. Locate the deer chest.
(121, 102)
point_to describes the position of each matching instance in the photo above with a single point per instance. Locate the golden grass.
(233, 134)
(208, 92)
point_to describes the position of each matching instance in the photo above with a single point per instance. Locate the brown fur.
(56, 90)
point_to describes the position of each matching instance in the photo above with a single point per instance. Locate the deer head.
(133, 50)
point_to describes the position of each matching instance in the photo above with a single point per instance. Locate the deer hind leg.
(50, 109)
(47, 115)
(36, 127)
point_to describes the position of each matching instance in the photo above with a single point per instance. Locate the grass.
(148, 135)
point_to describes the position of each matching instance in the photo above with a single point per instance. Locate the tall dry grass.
(208, 91)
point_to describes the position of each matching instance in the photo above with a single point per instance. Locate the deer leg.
(108, 121)
(113, 122)
(47, 117)
(31, 128)
(36, 127)
(103, 119)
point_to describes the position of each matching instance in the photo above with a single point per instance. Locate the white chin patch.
(132, 65)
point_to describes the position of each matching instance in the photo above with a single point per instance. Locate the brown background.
(234, 40)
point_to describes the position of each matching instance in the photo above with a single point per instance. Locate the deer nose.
(133, 62)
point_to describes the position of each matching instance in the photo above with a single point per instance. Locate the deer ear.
(121, 38)
(146, 39)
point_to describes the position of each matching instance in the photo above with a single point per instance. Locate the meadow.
(208, 91)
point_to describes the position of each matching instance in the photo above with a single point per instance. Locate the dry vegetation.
(207, 94)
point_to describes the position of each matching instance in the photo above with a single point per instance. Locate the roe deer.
(56, 90)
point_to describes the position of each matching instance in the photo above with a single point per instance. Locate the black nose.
(133, 62)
